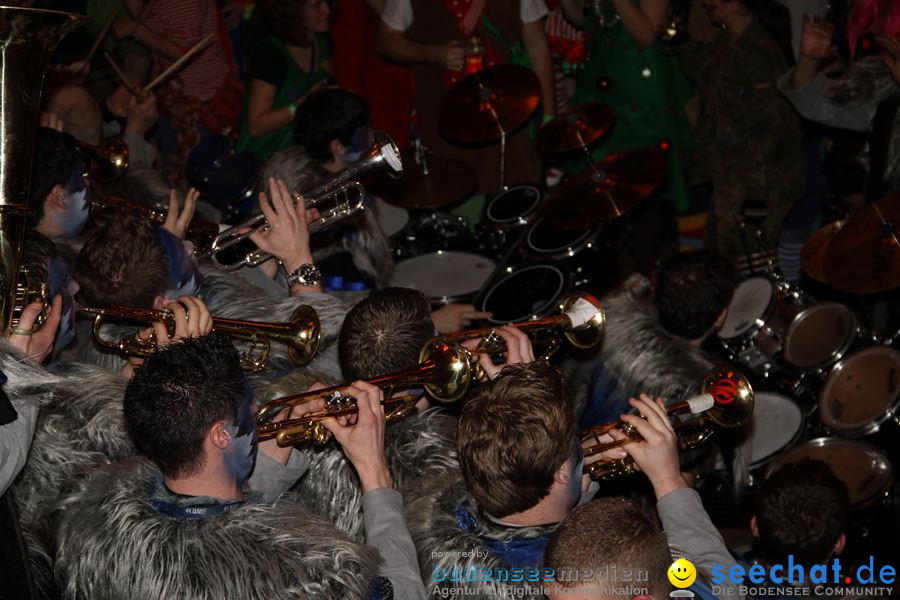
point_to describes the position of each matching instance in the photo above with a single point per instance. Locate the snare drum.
(775, 425)
(444, 276)
(513, 207)
(758, 318)
(861, 392)
(529, 291)
(819, 336)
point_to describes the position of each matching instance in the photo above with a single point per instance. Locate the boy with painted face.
(60, 195)
(192, 524)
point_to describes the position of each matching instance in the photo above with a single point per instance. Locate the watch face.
(307, 274)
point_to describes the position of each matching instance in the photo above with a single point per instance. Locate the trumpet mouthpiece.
(701, 404)
(581, 312)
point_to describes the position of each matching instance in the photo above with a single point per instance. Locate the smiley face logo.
(682, 573)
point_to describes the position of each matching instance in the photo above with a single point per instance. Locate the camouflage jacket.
(748, 139)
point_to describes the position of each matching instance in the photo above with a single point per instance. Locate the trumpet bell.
(586, 312)
(305, 336)
(732, 394)
(450, 371)
(105, 162)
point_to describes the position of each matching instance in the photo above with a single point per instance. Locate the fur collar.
(112, 544)
(447, 552)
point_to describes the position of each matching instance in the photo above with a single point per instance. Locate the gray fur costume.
(230, 296)
(433, 525)
(112, 544)
(639, 352)
(79, 424)
(417, 448)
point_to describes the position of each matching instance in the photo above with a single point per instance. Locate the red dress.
(389, 89)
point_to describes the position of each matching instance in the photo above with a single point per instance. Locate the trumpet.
(581, 321)
(344, 189)
(301, 334)
(105, 162)
(726, 400)
(201, 233)
(443, 371)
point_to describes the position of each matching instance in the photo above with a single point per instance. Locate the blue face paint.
(361, 143)
(59, 283)
(70, 221)
(184, 270)
(241, 453)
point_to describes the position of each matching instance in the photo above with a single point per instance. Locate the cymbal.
(608, 190)
(864, 256)
(448, 181)
(812, 258)
(484, 105)
(575, 128)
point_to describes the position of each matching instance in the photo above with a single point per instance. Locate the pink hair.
(865, 13)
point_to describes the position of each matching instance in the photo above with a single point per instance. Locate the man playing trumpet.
(190, 411)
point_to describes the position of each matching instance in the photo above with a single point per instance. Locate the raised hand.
(815, 39)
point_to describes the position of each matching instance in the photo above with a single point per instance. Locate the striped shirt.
(184, 23)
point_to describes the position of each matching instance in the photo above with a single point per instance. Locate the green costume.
(297, 83)
(645, 88)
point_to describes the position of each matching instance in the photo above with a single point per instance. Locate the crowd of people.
(134, 459)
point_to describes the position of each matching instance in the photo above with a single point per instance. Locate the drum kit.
(833, 384)
(527, 252)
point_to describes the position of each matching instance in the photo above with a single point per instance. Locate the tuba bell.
(726, 400)
(28, 38)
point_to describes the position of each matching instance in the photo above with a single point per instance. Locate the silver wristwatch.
(306, 274)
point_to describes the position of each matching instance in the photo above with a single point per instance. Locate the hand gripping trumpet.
(301, 334)
(443, 371)
(344, 190)
(581, 321)
(727, 401)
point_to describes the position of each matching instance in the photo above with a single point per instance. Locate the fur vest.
(80, 424)
(640, 354)
(112, 544)
(417, 448)
(453, 559)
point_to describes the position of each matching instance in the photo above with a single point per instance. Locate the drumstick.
(119, 72)
(178, 63)
(103, 32)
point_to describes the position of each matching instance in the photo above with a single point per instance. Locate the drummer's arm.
(573, 11)
(393, 44)
(535, 39)
(261, 117)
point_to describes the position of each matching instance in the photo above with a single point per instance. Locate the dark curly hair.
(802, 510)
(692, 290)
(177, 394)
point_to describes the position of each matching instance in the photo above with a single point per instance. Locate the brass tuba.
(581, 321)
(726, 401)
(29, 37)
(301, 334)
(343, 190)
(443, 371)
